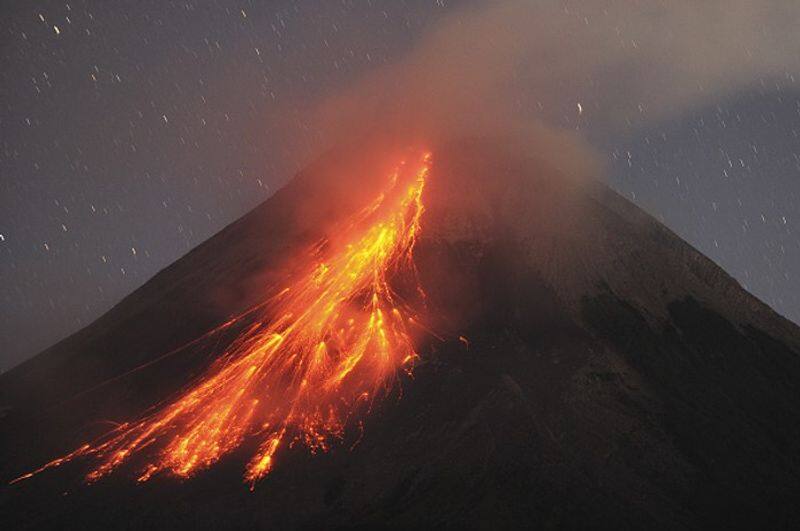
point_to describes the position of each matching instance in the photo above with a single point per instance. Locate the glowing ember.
(331, 343)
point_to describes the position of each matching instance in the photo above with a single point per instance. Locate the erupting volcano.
(589, 368)
(325, 347)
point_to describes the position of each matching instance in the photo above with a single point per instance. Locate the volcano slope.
(591, 370)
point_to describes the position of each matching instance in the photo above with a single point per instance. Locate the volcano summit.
(467, 339)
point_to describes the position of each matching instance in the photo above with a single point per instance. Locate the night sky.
(131, 133)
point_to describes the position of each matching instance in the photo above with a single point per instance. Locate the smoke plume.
(545, 71)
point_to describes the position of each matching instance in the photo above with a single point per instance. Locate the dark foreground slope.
(614, 377)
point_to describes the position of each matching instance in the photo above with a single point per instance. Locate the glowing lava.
(319, 353)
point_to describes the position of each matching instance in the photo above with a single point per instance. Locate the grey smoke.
(612, 65)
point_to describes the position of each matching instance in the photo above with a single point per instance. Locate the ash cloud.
(546, 71)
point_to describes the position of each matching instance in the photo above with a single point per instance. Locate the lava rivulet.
(330, 343)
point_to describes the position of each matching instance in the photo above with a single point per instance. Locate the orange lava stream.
(328, 345)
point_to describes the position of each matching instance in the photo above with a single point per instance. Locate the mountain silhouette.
(585, 368)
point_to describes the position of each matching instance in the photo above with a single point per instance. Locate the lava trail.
(333, 341)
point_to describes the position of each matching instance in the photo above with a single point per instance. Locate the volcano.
(559, 359)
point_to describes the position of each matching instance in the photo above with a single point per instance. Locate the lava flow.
(333, 341)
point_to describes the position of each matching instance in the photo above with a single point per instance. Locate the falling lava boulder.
(591, 370)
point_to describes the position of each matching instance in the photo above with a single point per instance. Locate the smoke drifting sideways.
(547, 72)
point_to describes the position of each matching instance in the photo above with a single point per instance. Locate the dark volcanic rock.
(615, 377)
